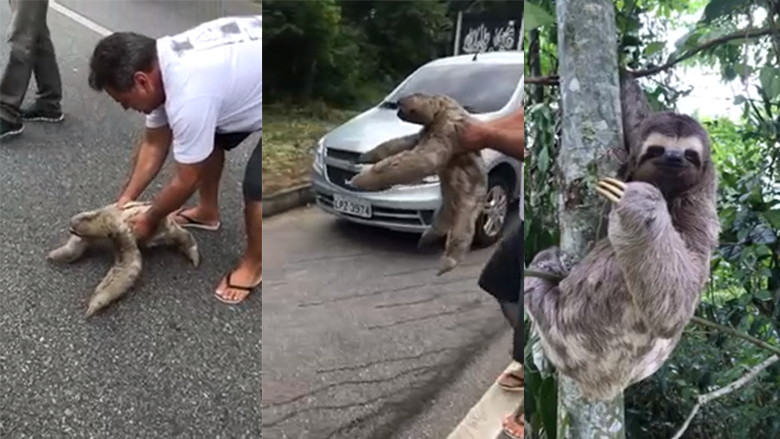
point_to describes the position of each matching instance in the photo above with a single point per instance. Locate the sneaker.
(8, 129)
(33, 114)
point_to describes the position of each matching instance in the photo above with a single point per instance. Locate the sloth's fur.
(108, 228)
(616, 317)
(435, 149)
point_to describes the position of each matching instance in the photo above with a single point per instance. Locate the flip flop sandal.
(195, 224)
(512, 429)
(518, 387)
(230, 286)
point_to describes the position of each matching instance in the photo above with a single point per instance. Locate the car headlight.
(319, 155)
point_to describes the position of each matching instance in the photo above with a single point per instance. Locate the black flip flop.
(195, 224)
(230, 286)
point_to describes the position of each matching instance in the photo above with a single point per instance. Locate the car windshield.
(478, 87)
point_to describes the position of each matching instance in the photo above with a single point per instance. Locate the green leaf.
(773, 218)
(548, 405)
(719, 8)
(770, 81)
(534, 17)
(653, 48)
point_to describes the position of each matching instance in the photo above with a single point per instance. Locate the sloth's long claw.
(611, 189)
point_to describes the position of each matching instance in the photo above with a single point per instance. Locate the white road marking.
(80, 19)
(483, 421)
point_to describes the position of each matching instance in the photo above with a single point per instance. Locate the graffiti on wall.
(481, 34)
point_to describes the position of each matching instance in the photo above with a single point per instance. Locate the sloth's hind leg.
(185, 242)
(443, 219)
(461, 234)
(71, 251)
(120, 278)
(546, 261)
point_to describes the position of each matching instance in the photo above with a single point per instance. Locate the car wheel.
(490, 223)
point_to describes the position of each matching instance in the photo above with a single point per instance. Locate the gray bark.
(591, 126)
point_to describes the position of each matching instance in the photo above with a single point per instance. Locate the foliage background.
(744, 291)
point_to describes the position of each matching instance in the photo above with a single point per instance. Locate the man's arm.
(507, 135)
(193, 143)
(148, 159)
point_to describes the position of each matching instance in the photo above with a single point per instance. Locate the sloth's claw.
(611, 189)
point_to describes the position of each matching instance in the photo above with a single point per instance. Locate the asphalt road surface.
(361, 336)
(168, 361)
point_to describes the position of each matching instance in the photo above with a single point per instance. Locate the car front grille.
(339, 176)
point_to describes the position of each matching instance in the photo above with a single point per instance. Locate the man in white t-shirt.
(202, 93)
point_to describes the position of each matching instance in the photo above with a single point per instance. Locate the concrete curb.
(483, 421)
(287, 199)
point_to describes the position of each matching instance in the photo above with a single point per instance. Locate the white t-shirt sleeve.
(157, 118)
(194, 122)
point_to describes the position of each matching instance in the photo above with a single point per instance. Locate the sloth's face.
(418, 108)
(674, 165)
(90, 224)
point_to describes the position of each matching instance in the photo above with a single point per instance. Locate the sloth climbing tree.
(591, 138)
(591, 128)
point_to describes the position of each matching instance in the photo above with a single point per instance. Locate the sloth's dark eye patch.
(692, 156)
(652, 152)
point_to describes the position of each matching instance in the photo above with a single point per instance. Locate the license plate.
(351, 206)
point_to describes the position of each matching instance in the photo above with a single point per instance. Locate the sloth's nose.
(673, 157)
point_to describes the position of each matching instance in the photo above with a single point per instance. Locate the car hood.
(368, 129)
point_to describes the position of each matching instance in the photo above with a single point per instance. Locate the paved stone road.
(168, 361)
(360, 335)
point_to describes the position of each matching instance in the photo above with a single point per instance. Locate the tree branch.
(728, 330)
(707, 397)
(743, 34)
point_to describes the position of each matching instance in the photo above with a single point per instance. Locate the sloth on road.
(108, 227)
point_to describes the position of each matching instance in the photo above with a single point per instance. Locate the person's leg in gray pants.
(32, 52)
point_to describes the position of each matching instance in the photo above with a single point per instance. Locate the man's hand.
(143, 226)
(122, 201)
(473, 137)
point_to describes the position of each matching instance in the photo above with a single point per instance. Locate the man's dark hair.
(117, 57)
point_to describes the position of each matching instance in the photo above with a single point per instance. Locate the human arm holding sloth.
(506, 135)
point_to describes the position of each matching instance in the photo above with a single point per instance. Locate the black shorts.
(253, 174)
(228, 141)
(502, 276)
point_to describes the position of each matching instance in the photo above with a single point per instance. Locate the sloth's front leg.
(389, 148)
(406, 167)
(71, 251)
(663, 277)
(611, 188)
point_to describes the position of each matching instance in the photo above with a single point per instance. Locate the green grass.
(289, 137)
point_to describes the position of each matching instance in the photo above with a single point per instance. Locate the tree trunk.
(591, 127)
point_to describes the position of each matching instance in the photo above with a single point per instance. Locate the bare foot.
(197, 217)
(236, 286)
(512, 381)
(514, 426)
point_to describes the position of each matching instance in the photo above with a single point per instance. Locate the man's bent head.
(124, 65)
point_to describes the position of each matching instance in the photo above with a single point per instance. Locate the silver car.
(488, 85)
